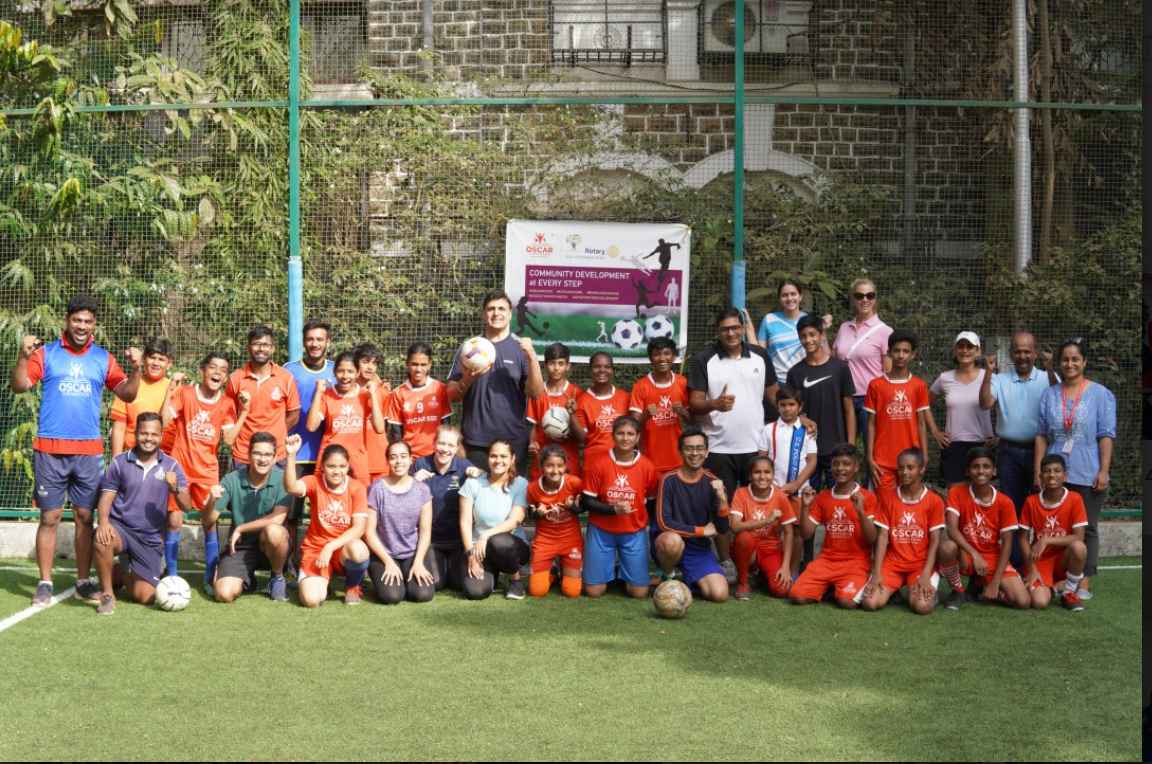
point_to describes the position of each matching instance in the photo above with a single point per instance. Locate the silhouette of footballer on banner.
(664, 249)
(524, 319)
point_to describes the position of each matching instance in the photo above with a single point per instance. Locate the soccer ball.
(658, 326)
(478, 354)
(627, 334)
(555, 422)
(173, 593)
(672, 599)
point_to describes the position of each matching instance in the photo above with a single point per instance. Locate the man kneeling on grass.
(133, 511)
(691, 508)
(255, 496)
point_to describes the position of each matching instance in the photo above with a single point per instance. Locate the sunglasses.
(865, 295)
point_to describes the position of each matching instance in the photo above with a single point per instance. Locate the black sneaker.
(955, 600)
(515, 589)
(87, 590)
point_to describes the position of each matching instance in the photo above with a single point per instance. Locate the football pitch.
(558, 679)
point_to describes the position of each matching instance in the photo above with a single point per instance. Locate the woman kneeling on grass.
(555, 498)
(339, 514)
(491, 508)
(399, 533)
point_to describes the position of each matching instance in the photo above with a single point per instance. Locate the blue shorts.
(72, 476)
(140, 556)
(698, 561)
(600, 552)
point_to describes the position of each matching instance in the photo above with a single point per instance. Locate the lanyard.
(1070, 413)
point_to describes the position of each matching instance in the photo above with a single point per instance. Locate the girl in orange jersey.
(763, 520)
(346, 410)
(417, 408)
(339, 516)
(554, 499)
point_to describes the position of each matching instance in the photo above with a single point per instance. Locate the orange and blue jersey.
(72, 384)
(685, 507)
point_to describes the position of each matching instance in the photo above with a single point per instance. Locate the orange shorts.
(1051, 570)
(564, 542)
(308, 555)
(894, 576)
(198, 492)
(846, 577)
(887, 478)
(966, 568)
(770, 558)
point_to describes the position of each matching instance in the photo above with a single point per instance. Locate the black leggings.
(450, 563)
(505, 553)
(411, 590)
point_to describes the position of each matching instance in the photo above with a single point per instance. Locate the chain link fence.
(144, 158)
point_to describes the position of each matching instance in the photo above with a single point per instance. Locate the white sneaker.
(1084, 594)
(729, 569)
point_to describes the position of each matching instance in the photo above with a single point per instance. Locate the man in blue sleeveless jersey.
(68, 449)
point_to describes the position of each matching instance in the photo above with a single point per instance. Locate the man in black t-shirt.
(825, 385)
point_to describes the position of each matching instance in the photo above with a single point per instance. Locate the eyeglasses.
(865, 295)
(736, 328)
(694, 449)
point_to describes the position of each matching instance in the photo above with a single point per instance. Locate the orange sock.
(571, 586)
(539, 584)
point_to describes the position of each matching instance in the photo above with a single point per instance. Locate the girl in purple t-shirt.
(399, 533)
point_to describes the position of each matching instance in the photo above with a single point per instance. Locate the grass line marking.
(32, 610)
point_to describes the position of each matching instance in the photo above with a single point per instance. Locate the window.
(334, 36)
(608, 31)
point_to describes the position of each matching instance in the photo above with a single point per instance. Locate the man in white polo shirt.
(727, 386)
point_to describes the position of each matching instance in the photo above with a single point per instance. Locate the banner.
(598, 286)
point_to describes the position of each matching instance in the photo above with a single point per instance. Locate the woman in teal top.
(777, 333)
(492, 507)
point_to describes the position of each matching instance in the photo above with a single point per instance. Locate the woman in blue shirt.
(492, 507)
(1078, 420)
(777, 333)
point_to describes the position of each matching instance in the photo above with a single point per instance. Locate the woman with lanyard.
(492, 506)
(862, 343)
(1078, 421)
(967, 424)
(399, 533)
(777, 333)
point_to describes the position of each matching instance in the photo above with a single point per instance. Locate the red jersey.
(982, 523)
(1060, 519)
(419, 410)
(596, 416)
(565, 496)
(910, 525)
(843, 535)
(376, 443)
(345, 419)
(661, 435)
(272, 397)
(198, 427)
(748, 508)
(536, 410)
(332, 510)
(613, 482)
(896, 406)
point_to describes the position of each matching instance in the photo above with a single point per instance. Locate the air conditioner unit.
(770, 26)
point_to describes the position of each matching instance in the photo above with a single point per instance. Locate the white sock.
(1072, 581)
(42, 581)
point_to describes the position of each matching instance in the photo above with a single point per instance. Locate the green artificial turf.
(557, 679)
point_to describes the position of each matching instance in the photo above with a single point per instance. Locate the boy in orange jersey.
(660, 401)
(558, 391)
(1052, 542)
(847, 511)
(554, 499)
(417, 408)
(981, 529)
(597, 409)
(154, 387)
(200, 416)
(763, 520)
(367, 357)
(898, 403)
(274, 402)
(910, 522)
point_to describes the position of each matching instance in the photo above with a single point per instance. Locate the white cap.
(970, 337)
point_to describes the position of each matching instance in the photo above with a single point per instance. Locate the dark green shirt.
(247, 503)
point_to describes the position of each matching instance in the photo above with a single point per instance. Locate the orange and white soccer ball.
(477, 354)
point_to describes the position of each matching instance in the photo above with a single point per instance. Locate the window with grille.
(608, 31)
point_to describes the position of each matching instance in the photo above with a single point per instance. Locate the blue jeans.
(1014, 466)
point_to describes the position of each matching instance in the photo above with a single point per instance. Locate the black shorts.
(243, 565)
(954, 461)
(296, 511)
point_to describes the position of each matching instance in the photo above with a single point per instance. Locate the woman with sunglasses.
(862, 343)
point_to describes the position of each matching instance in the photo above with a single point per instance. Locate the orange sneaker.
(1071, 600)
(353, 596)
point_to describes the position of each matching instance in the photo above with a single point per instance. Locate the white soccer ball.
(173, 593)
(555, 422)
(627, 334)
(658, 326)
(478, 354)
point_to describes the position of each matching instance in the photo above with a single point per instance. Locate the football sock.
(211, 555)
(354, 572)
(171, 551)
(571, 586)
(952, 573)
(539, 584)
(1072, 581)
